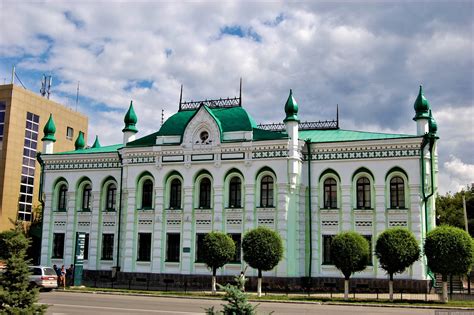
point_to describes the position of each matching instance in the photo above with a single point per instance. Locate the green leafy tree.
(15, 295)
(350, 253)
(396, 249)
(263, 250)
(449, 251)
(220, 248)
(449, 209)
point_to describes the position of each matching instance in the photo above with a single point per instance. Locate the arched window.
(111, 197)
(86, 197)
(147, 194)
(175, 194)
(235, 193)
(397, 193)
(62, 198)
(330, 193)
(205, 193)
(266, 191)
(363, 193)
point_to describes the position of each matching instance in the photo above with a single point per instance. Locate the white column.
(219, 220)
(128, 230)
(380, 220)
(187, 225)
(282, 228)
(70, 228)
(93, 231)
(47, 232)
(157, 230)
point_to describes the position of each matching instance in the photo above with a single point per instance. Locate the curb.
(436, 307)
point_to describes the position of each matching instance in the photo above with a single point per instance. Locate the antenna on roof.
(162, 116)
(240, 93)
(46, 83)
(337, 116)
(77, 94)
(180, 97)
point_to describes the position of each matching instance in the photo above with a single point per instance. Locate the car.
(43, 277)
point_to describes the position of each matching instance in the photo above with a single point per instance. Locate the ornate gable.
(202, 131)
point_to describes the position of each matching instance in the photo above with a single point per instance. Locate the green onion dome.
(130, 119)
(80, 143)
(422, 106)
(49, 130)
(96, 143)
(291, 109)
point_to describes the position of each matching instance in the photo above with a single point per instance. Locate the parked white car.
(43, 277)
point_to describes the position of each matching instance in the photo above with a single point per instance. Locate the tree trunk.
(259, 283)
(444, 298)
(346, 288)
(214, 280)
(390, 287)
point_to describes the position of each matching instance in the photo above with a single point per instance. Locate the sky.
(368, 57)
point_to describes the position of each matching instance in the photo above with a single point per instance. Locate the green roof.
(422, 106)
(130, 119)
(291, 108)
(104, 149)
(260, 135)
(340, 135)
(227, 119)
(80, 142)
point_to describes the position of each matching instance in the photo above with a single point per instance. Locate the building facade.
(22, 112)
(146, 204)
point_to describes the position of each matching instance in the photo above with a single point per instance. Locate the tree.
(15, 295)
(449, 251)
(396, 250)
(449, 209)
(350, 253)
(220, 248)
(263, 250)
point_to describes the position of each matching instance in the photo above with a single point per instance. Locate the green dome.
(422, 107)
(49, 130)
(96, 143)
(433, 126)
(291, 109)
(80, 143)
(130, 120)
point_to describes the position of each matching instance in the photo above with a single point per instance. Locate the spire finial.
(180, 97)
(240, 92)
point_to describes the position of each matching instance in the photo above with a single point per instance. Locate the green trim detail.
(329, 171)
(363, 170)
(49, 130)
(396, 169)
(342, 135)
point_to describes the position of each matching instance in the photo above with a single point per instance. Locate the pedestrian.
(70, 275)
(63, 277)
(242, 281)
(58, 274)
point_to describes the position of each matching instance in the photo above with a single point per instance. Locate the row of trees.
(449, 251)
(262, 248)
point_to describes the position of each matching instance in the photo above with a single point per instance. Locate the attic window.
(204, 136)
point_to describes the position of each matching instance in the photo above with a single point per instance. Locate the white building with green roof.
(146, 204)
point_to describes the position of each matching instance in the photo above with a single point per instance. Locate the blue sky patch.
(239, 31)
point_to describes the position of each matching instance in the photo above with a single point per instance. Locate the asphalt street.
(86, 303)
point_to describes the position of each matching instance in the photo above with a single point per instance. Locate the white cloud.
(458, 175)
(367, 58)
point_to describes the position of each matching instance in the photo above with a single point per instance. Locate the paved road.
(86, 303)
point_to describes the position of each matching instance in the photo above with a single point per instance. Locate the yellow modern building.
(23, 114)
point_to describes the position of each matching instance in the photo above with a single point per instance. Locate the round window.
(204, 136)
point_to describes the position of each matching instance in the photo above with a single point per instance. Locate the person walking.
(70, 275)
(63, 277)
(58, 274)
